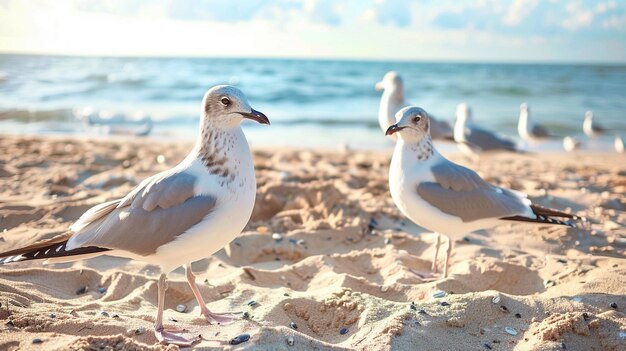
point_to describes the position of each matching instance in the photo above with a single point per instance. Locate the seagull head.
(463, 113)
(391, 81)
(225, 105)
(523, 107)
(413, 124)
(588, 115)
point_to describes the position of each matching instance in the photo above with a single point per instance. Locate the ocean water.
(310, 102)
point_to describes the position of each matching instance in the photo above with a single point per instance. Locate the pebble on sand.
(439, 294)
(104, 313)
(277, 237)
(102, 290)
(290, 341)
(613, 305)
(140, 330)
(252, 303)
(239, 339)
(496, 299)
(343, 331)
(293, 325)
(510, 330)
(182, 308)
(37, 341)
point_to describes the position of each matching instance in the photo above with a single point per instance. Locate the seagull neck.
(423, 149)
(213, 146)
(395, 94)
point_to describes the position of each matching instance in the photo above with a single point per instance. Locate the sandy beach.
(326, 249)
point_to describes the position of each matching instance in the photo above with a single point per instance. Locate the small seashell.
(115, 316)
(277, 237)
(548, 283)
(9, 324)
(293, 325)
(102, 290)
(613, 305)
(140, 330)
(585, 316)
(496, 299)
(246, 315)
(239, 339)
(37, 341)
(52, 315)
(82, 290)
(413, 307)
(504, 309)
(301, 242)
(445, 303)
(510, 330)
(384, 288)
(290, 341)
(517, 315)
(439, 294)
(104, 313)
(252, 303)
(182, 308)
(343, 331)
(160, 159)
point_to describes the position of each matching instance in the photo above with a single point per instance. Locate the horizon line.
(345, 59)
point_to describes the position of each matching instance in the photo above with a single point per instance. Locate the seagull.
(571, 143)
(592, 128)
(177, 216)
(447, 198)
(392, 101)
(473, 140)
(528, 130)
(619, 144)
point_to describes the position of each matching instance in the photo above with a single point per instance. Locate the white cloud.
(518, 11)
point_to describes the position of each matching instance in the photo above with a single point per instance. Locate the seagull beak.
(256, 116)
(393, 129)
(379, 86)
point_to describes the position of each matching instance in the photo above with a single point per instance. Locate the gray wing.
(153, 214)
(487, 141)
(461, 192)
(540, 131)
(440, 129)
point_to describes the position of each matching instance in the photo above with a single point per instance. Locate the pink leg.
(434, 266)
(168, 336)
(448, 252)
(211, 317)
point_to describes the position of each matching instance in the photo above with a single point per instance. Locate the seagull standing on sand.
(592, 128)
(473, 140)
(445, 197)
(528, 130)
(392, 101)
(177, 216)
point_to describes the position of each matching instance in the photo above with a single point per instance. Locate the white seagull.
(393, 100)
(527, 129)
(592, 128)
(177, 216)
(447, 198)
(473, 140)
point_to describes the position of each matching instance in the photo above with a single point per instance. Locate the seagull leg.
(434, 266)
(211, 317)
(448, 252)
(168, 336)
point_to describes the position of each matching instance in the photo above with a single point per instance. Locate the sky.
(440, 30)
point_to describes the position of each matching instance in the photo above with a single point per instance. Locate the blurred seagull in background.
(392, 100)
(177, 216)
(527, 129)
(591, 127)
(447, 198)
(473, 140)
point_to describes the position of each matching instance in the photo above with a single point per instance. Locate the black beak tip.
(257, 116)
(393, 129)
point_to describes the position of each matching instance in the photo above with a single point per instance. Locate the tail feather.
(46, 249)
(546, 216)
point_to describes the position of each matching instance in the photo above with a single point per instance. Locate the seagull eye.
(225, 101)
(417, 119)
